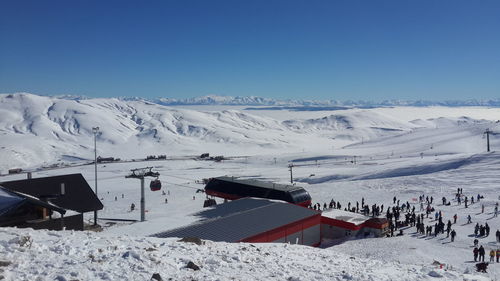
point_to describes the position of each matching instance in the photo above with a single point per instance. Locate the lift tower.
(141, 173)
(488, 132)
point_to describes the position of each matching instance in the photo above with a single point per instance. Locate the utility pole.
(141, 173)
(290, 167)
(95, 130)
(487, 132)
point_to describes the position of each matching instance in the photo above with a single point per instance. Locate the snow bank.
(97, 256)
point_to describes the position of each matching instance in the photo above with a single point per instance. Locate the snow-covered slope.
(38, 130)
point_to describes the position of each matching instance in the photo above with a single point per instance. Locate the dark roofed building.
(22, 210)
(254, 220)
(234, 188)
(78, 196)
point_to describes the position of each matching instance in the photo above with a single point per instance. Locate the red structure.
(254, 220)
(337, 224)
(293, 233)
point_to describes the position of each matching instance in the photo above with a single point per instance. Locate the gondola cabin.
(234, 188)
(155, 185)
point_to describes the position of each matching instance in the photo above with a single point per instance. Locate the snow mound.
(98, 256)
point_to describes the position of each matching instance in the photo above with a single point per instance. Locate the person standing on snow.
(475, 252)
(492, 255)
(481, 253)
(453, 234)
(498, 254)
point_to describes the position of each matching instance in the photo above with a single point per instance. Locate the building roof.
(264, 184)
(240, 219)
(11, 200)
(346, 216)
(78, 194)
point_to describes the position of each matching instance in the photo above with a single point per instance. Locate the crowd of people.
(428, 222)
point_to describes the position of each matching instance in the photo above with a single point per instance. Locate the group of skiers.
(482, 230)
(374, 210)
(479, 254)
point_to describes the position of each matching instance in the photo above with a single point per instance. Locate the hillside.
(38, 130)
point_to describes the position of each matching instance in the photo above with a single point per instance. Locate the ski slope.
(346, 155)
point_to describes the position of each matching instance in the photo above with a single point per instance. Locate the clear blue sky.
(372, 50)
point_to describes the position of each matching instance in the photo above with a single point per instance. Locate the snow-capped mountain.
(40, 130)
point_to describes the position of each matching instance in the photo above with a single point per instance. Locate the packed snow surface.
(71, 255)
(345, 155)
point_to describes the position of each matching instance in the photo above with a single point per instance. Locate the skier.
(481, 253)
(469, 219)
(498, 254)
(492, 255)
(453, 234)
(448, 231)
(476, 242)
(454, 218)
(132, 207)
(498, 235)
(476, 252)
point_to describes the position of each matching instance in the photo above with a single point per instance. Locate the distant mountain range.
(260, 101)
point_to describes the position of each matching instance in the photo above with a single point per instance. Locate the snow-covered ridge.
(40, 130)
